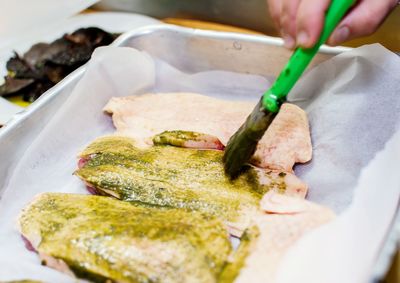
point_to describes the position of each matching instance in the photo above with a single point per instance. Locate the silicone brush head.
(243, 143)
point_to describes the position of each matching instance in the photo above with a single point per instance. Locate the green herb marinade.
(176, 138)
(171, 176)
(104, 239)
(232, 269)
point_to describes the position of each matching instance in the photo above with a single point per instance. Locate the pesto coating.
(106, 240)
(169, 176)
(176, 138)
(232, 269)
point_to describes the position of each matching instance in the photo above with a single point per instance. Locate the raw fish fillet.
(106, 240)
(284, 221)
(286, 142)
(186, 178)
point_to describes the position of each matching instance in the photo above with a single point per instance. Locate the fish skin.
(186, 178)
(99, 239)
(282, 223)
(143, 116)
(287, 140)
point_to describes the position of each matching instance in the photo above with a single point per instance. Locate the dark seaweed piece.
(55, 73)
(18, 68)
(79, 45)
(36, 90)
(37, 54)
(91, 36)
(45, 64)
(13, 86)
(28, 88)
(69, 53)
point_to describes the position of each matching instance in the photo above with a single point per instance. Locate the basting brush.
(243, 143)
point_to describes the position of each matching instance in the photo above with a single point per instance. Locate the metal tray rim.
(41, 101)
(264, 39)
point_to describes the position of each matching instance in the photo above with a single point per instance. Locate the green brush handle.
(273, 98)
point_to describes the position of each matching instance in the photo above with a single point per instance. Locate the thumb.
(364, 19)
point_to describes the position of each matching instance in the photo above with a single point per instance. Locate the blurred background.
(248, 14)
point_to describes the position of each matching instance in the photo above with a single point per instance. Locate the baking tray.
(189, 50)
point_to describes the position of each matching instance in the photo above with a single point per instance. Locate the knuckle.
(372, 23)
(274, 10)
(276, 17)
(371, 29)
(304, 19)
(285, 22)
(368, 22)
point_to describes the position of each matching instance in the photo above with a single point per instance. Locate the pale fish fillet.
(284, 221)
(286, 142)
(186, 178)
(106, 240)
(141, 117)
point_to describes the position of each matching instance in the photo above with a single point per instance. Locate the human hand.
(301, 21)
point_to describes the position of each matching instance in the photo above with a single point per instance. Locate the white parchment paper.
(353, 102)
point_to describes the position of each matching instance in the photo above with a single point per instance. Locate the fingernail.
(340, 35)
(302, 38)
(288, 41)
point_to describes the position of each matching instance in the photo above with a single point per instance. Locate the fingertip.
(364, 19)
(339, 35)
(304, 40)
(289, 41)
(310, 21)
